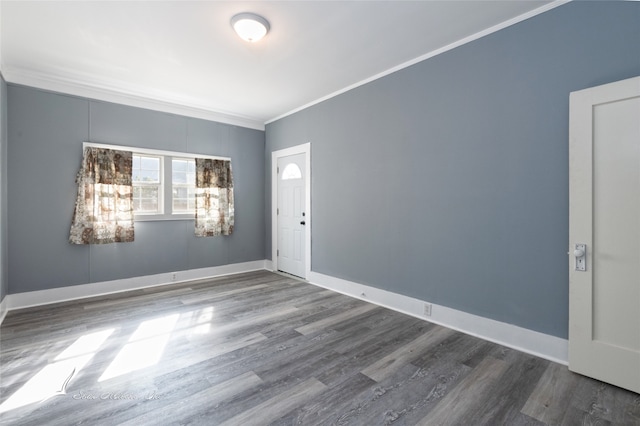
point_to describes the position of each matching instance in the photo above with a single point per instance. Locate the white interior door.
(604, 311)
(292, 217)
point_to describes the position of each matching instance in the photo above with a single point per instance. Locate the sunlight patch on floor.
(53, 379)
(144, 348)
(203, 321)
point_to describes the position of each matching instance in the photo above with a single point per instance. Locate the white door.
(604, 194)
(291, 213)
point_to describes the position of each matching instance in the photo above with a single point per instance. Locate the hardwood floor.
(260, 348)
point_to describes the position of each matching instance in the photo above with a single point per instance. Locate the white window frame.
(160, 185)
(166, 181)
(170, 159)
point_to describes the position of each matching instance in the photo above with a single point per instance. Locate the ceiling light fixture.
(249, 26)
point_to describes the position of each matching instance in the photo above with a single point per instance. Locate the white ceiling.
(172, 55)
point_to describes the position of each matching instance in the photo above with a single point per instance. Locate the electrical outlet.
(174, 276)
(427, 309)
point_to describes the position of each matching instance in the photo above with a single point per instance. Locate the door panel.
(604, 314)
(616, 223)
(291, 214)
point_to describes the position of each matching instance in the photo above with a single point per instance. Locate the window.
(164, 183)
(183, 184)
(147, 184)
(292, 171)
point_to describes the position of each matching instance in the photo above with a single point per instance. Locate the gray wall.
(448, 181)
(4, 270)
(45, 135)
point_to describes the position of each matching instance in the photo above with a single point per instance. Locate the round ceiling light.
(249, 26)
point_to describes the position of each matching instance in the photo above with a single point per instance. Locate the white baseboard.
(4, 308)
(539, 344)
(522, 339)
(63, 294)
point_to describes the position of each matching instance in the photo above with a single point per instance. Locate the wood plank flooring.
(263, 349)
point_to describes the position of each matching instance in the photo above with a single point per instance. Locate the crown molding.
(88, 87)
(120, 94)
(431, 54)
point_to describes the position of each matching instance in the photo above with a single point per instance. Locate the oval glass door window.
(291, 171)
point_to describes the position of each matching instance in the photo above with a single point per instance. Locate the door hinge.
(278, 170)
(278, 210)
(278, 252)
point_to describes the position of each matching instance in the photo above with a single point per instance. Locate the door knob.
(303, 223)
(580, 254)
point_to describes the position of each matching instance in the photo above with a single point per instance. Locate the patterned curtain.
(104, 206)
(214, 197)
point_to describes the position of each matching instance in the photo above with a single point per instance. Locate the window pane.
(149, 205)
(146, 176)
(150, 163)
(179, 205)
(145, 199)
(184, 181)
(149, 192)
(146, 169)
(179, 165)
(180, 192)
(179, 177)
(292, 171)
